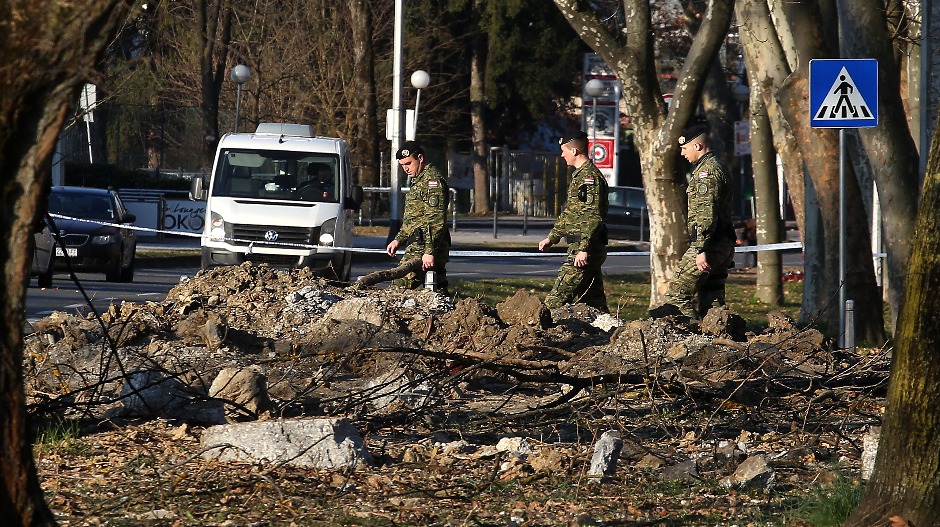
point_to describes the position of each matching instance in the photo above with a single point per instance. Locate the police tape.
(452, 253)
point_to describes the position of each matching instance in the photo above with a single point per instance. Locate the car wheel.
(113, 272)
(127, 273)
(44, 279)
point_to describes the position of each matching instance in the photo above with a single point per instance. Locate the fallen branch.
(405, 268)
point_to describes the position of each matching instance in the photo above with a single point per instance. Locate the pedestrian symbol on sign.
(843, 101)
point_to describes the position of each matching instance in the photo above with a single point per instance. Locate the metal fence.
(527, 182)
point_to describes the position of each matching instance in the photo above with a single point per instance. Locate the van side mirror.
(197, 188)
(354, 202)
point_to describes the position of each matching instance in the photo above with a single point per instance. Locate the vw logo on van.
(270, 236)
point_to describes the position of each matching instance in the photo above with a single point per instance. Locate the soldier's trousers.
(580, 284)
(416, 280)
(710, 287)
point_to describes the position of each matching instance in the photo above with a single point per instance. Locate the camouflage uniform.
(581, 223)
(710, 232)
(424, 227)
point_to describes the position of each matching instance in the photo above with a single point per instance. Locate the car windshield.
(85, 206)
(277, 175)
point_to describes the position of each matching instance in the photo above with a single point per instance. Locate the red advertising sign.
(602, 152)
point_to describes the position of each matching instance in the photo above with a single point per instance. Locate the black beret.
(692, 132)
(409, 148)
(580, 134)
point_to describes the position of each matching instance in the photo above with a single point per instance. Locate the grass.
(628, 295)
(59, 436)
(829, 505)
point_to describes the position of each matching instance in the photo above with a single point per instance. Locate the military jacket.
(424, 221)
(582, 220)
(709, 194)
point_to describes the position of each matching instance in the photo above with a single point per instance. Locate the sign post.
(843, 93)
(603, 123)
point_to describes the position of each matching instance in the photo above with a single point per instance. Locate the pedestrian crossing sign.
(843, 93)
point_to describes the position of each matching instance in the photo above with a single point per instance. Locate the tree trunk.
(767, 65)
(656, 131)
(366, 149)
(890, 147)
(481, 188)
(906, 477)
(766, 196)
(214, 30)
(49, 49)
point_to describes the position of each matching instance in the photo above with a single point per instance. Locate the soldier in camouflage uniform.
(703, 269)
(581, 223)
(424, 228)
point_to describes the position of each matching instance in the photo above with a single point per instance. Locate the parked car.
(90, 245)
(43, 265)
(627, 215)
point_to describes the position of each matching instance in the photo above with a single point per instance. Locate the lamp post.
(240, 74)
(420, 80)
(395, 205)
(595, 89)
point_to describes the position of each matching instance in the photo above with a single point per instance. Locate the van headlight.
(216, 227)
(327, 231)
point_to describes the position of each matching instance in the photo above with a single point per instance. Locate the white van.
(280, 196)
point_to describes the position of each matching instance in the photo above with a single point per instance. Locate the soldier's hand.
(702, 263)
(392, 248)
(580, 259)
(427, 261)
(545, 244)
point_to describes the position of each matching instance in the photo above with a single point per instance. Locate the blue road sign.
(843, 93)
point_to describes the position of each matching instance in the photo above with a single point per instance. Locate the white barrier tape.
(125, 226)
(452, 253)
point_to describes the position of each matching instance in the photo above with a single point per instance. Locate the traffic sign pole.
(843, 93)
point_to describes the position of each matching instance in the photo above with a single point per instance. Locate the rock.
(870, 451)
(606, 455)
(396, 387)
(524, 308)
(306, 443)
(721, 321)
(514, 445)
(152, 394)
(753, 473)
(364, 309)
(650, 461)
(245, 387)
(547, 460)
(607, 322)
(687, 470)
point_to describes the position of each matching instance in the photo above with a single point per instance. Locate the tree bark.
(906, 477)
(48, 50)
(481, 192)
(890, 147)
(366, 148)
(214, 31)
(656, 130)
(766, 196)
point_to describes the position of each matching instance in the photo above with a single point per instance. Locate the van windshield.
(277, 175)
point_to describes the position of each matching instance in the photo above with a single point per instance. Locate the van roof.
(290, 137)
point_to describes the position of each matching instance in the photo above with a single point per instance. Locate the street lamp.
(240, 74)
(420, 80)
(595, 89)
